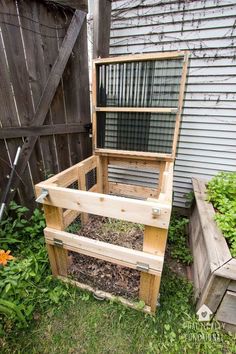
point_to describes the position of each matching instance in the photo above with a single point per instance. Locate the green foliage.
(74, 227)
(26, 285)
(121, 225)
(222, 193)
(177, 239)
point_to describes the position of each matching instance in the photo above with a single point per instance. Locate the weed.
(177, 239)
(222, 193)
(25, 282)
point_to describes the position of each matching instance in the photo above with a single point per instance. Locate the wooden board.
(217, 249)
(107, 205)
(132, 190)
(105, 295)
(227, 310)
(105, 251)
(138, 57)
(228, 270)
(154, 243)
(49, 91)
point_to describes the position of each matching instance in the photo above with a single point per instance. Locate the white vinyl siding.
(207, 142)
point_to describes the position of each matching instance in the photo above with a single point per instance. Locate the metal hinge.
(58, 243)
(142, 266)
(42, 196)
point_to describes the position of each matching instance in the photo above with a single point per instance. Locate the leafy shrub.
(177, 239)
(222, 194)
(25, 282)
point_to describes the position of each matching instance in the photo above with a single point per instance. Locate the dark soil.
(106, 276)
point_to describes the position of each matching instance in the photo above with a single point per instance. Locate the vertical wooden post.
(154, 242)
(101, 28)
(82, 186)
(58, 257)
(102, 174)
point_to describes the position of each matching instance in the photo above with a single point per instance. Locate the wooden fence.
(44, 91)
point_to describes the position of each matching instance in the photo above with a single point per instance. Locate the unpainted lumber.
(106, 251)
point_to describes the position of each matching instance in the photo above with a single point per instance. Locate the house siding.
(207, 141)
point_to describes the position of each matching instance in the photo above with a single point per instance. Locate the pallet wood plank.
(134, 154)
(76, 91)
(105, 251)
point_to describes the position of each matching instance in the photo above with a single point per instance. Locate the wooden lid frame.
(178, 111)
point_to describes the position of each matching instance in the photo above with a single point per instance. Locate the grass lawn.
(85, 325)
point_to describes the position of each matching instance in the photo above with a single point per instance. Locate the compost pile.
(103, 275)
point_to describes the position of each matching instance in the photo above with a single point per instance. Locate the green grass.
(90, 326)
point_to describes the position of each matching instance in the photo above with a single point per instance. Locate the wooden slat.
(49, 49)
(49, 91)
(107, 205)
(36, 78)
(105, 251)
(129, 162)
(26, 131)
(69, 216)
(132, 190)
(82, 186)
(213, 292)
(227, 310)
(217, 249)
(70, 175)
(228, 270)
(139, 57)
(58, 257)
(136, 109)
(76, 4)
(232, 286)
(134, 154)
(180, 103)
(106, 295)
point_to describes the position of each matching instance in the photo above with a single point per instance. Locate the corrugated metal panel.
(207, 141)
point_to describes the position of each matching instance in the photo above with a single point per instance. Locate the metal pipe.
(7, 189)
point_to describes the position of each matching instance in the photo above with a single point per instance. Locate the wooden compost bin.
(214, 267)
(118, 199)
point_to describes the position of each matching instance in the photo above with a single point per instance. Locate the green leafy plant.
(26, 285)
(177, 239)
(222, 194)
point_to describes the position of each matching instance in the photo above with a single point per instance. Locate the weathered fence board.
(32, 34)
